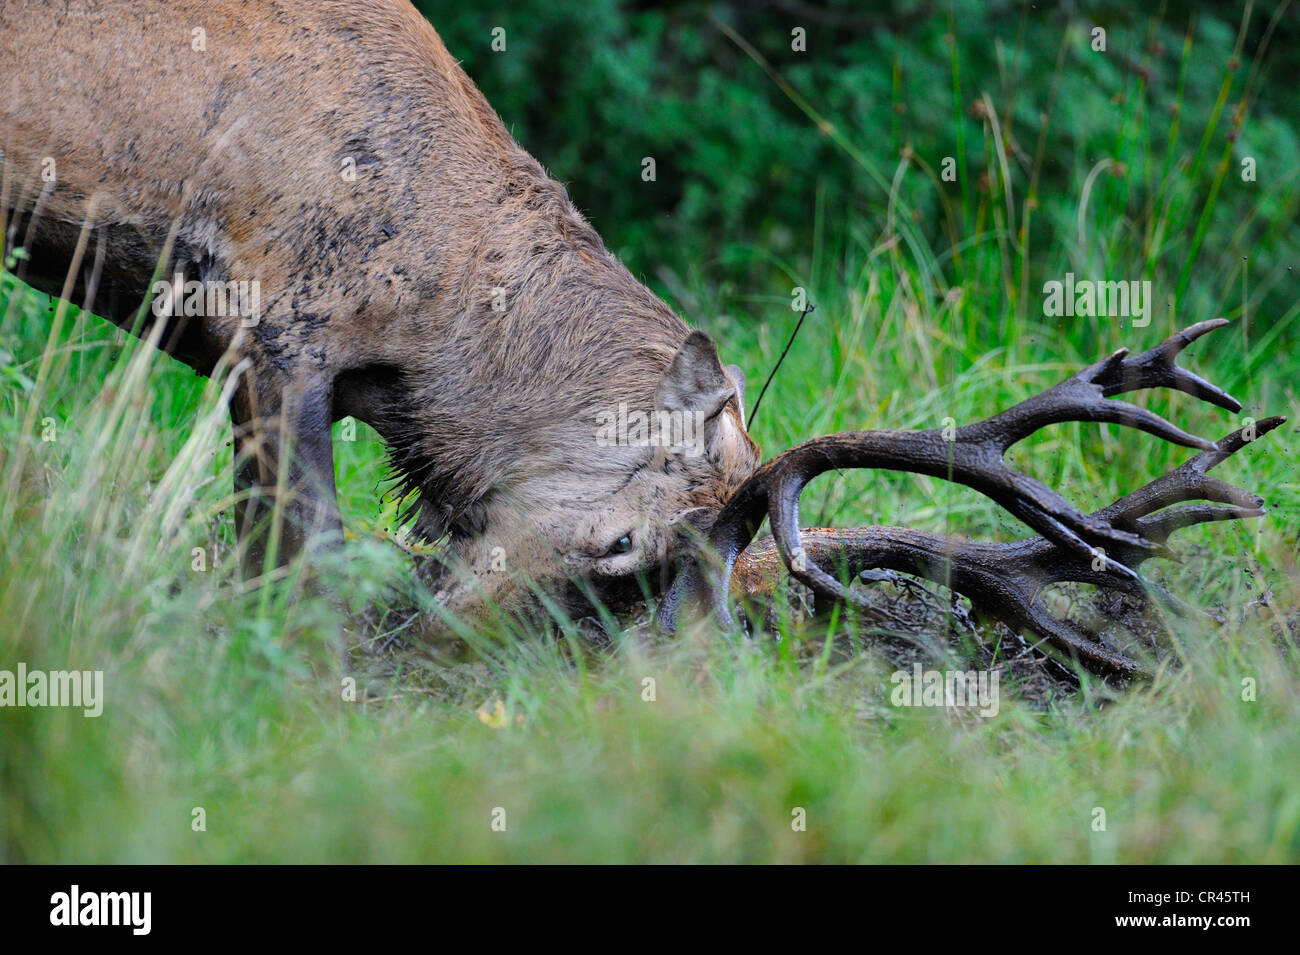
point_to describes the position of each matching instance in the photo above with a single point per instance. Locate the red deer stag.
(416, 269)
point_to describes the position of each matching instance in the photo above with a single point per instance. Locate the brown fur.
(376, 293)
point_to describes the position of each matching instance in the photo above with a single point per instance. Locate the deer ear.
(695, 380)
(738, 379)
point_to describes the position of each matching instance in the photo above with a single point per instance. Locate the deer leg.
(283, 455)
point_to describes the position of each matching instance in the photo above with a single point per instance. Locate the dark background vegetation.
(591, 88)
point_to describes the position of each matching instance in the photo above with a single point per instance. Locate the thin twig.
(798, 325)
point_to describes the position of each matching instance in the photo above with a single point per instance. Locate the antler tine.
(1157, 368)
(1151, 512)
(1160, 527)
(784, 514)
(1118, 373)
(1190, 481)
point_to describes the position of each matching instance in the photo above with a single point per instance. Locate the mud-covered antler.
(1003, 579)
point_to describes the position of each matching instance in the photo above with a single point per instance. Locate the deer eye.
(621, 546)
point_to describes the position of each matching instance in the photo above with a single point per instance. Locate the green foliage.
(592, 89)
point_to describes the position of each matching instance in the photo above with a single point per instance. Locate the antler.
(1003, 579)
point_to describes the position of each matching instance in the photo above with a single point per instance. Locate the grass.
(228, 706)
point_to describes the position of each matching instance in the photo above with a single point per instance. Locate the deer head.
(605, 499)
